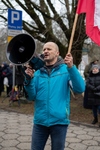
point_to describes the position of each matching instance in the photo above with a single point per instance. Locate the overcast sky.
(25, 16)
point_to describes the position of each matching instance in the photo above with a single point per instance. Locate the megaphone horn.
(21, 49)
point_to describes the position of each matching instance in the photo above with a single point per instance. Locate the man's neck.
(49, 63)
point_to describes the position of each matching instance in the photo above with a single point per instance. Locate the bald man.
(50, 89)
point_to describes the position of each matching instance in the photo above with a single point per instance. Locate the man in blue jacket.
(50, 89)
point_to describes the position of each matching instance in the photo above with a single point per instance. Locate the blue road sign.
(14, 19)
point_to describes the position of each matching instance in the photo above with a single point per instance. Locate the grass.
(78, 112)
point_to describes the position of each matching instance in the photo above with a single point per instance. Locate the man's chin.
(46, 59)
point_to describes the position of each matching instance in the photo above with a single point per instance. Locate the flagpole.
(73, 32)
(71, 40)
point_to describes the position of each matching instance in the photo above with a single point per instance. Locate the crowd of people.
(6, 78)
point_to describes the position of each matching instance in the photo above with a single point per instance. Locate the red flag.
(91, 30)
(90, 8)
(81, 7)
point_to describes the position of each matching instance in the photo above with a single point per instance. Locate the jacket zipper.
(48, 112)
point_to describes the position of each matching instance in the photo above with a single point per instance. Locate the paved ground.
(15, 134)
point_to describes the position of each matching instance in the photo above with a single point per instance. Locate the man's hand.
(29, 71)
(69, 60)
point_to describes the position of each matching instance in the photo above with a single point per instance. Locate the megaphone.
(21, 49)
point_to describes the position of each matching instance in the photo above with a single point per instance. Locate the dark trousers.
(41, 133)
(9, 89)
(95, 110)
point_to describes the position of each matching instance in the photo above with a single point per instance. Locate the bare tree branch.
(46, 23)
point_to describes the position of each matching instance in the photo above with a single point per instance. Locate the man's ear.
(58, 53)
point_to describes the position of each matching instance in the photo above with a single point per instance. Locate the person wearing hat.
(87, 70)
(93, 86)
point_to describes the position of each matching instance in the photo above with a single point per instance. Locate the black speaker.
(21, 49)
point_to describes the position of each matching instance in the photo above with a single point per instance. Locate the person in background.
(93, 86)
(19, 79)
(1, 81)
(87, 70)
(88, 67)
(7, 71)
(49, 87)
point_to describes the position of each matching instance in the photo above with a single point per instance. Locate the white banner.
(97, 14)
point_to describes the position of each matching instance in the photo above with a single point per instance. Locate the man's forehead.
(50, 44)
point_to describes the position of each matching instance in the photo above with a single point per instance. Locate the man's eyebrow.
(47, 48)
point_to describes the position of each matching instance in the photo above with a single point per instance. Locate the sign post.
(14, 23)
(14, 28)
